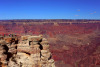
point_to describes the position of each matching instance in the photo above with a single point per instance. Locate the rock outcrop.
(29, 51)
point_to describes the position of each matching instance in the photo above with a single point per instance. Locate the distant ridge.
(52, 20)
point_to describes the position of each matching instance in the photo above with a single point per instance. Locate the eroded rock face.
(3, 54)
(30, 51)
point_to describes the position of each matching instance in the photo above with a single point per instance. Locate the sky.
(49, 9)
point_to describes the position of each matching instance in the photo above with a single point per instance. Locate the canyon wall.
(74, 43)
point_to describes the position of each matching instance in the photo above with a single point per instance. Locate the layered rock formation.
(3, 53)
(29, 51)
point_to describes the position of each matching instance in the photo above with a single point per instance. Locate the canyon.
(73, 43)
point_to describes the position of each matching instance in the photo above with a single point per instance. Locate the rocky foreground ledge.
(28, 51)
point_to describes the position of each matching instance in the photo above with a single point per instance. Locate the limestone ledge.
(26, 51)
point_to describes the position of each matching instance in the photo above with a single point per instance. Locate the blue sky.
(49, 9)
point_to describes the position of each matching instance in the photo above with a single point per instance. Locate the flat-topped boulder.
(25, 37)
(2, 42)
(35, 38)
(44, 42)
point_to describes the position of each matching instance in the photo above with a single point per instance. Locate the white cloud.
(76, 15)
(95, 12)
(78, 10)
(91, 13)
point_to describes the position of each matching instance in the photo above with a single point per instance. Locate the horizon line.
(48, 19)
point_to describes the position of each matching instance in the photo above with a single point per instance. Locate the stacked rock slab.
(32, 51)
(3, 55)
(46, 60)
(10, 42)
(7, 49)
(35, 49)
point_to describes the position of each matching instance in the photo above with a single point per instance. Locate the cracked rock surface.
(28, 51)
